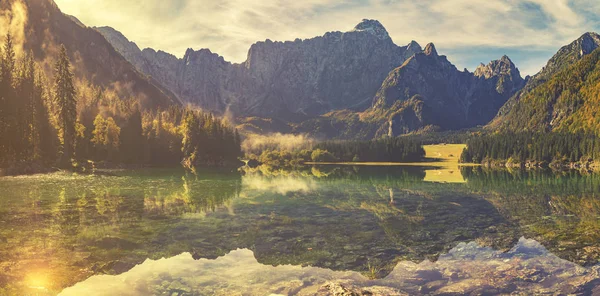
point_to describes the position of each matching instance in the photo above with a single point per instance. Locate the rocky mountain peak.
(503, 66)
(568, 55)
(430, 50)
(202, 57)
(373, 27)
(588, 42)
(506, 59)
(414, 47)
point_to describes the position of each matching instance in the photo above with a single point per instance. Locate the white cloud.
(229, 27)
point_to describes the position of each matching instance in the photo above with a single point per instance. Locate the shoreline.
(412, 164)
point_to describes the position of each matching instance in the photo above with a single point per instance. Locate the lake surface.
(319, 230)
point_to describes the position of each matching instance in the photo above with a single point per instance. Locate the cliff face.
(438, 94)
(301, 78)
(358, 81)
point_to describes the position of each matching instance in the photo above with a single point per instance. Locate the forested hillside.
(529, 147)
(50, 121)
(568, 100)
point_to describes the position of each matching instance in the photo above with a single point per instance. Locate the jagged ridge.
(287, 80)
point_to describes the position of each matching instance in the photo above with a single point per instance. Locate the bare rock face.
(569, 54)
(443, 96)
(279, 79)
(381, 89)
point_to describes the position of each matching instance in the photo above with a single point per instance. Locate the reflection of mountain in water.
(561, 211)
(466, 269)
(361, 219)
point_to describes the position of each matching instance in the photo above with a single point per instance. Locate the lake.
(316, 230)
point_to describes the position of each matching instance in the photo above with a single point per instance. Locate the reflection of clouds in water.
(228, 275)
(281, 185)
(466, 269)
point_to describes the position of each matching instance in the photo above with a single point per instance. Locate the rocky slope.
(292, 79)
(45, 27)
(426, 93)
(445, 96)
(332, 85)
(565, 96)
(565, 57)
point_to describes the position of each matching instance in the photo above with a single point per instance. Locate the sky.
(469, 32)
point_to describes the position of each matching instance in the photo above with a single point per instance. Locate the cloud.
(229, 27)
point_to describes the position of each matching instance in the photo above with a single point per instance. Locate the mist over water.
(256, 143)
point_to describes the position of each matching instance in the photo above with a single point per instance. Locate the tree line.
(382, 150)
(59, 122)
(532, 147)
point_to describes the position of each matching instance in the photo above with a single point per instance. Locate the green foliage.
(383, 150)
(568, 101)
(319, 155)
(66, 103)
(89, 123)
(26, 133)
(208, 141)
(529, 146)
(106, 137)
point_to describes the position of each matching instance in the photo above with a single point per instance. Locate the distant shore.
(414, 164)
(441, 155)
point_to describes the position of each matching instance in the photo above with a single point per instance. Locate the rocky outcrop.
(441, 95)
(569, 54)
(293, 79)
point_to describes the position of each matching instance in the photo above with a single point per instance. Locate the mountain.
(447, 97)
(426, 93)
(565, 57)
(293, 79)
(44, 28)
(356, 84)
(565, 96)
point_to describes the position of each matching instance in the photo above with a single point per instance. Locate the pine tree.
(64, 98)
(8, 133)
(24, 109)
(45, 146)
(133, 141)
(8, 61)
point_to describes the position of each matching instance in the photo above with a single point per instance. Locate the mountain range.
(353, 84)
(301, 78)
(304, 85)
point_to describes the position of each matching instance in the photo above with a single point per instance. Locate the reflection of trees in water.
(406, 218)
(354, 219)
(425, 219)
(559, 210)
(195, 195)
(533, 182)
(69, 228)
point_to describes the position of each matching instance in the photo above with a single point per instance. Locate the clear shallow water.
(385, 230)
